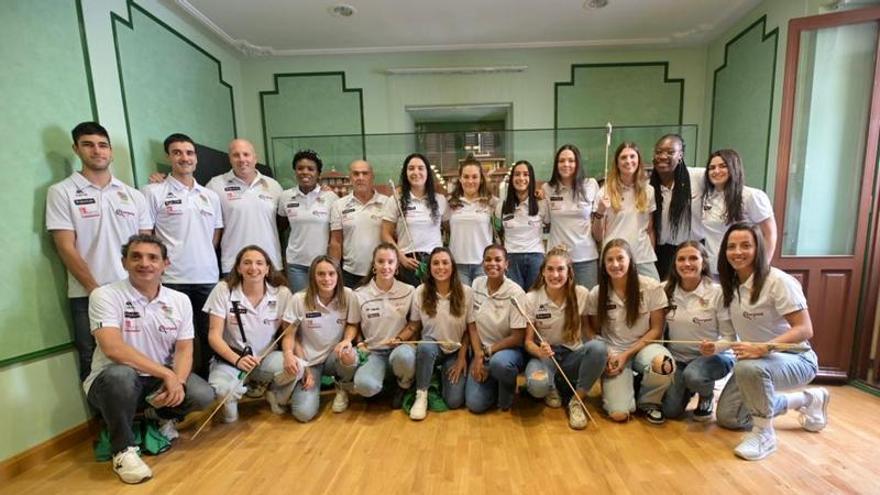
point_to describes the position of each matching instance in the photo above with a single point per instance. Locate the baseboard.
(33, 456)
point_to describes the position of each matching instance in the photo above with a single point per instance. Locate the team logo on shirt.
(167, 310)
(313, 314)
(123, 196)
(166, 329)
(172, 202)
(752, 316)
(267, 197)
(556, 198)
(543, 313)
(293, 205)
(411, 208)
(232, 188)
(123, 213)
(700, 321)
(84, 201)
(347, 211)
(271, 304)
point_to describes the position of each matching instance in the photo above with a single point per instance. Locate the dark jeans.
(665, 259)
(524, 268)
(202, 352)
(409, 276)
(119, 392)
(351, 280)
(83, 339)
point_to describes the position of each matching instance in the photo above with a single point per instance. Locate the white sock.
(797, 400)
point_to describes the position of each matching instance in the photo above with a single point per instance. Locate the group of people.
(382, 291)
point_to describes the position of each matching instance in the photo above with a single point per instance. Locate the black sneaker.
(397, 399)
(703, 412)
(654, 415)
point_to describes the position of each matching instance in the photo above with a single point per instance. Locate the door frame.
(859, 316)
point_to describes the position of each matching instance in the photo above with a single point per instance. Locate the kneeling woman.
(245, 313)
(441, 310)
(497, 343)
(383, 304)
(695, 313)
(767, 308)
(558, 308)
(317, 344)
(628, 310)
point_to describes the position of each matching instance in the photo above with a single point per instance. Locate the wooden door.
(825, 172)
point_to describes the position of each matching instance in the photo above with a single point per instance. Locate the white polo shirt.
(523, 233)
(549, 318)
(248, 216)
(319, 330)
(696, 315)
(761, 322)
(570, 220)
(309, 218)
(630, 224)
(425, 230)
(260, 322)
(496, 315)
(470, 230)
(616, 333)
(361, 226)
(711, 217)
(102, 219)
(185, 219)
(443, 325)
(696, 179)
(150, 327)
(382, 314)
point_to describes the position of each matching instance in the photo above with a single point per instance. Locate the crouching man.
(144, 353)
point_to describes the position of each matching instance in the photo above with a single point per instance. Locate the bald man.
(356, 224)
(249, 200)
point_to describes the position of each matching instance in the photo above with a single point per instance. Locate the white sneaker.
(553, 399)
(814, 416)
(230, 411)
(127, 464)
(577, 417)
(168, 429)
(340, 402)
(420, 406)
(758, 444)
(274, 405)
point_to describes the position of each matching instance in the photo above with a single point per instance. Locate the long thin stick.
(608, 128)
(416, 342)
(412, 242)
(241, 378)
(725, 344)
(558, 367)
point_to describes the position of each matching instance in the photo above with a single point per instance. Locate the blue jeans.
(304, 403)
(648, 269)
(751, 391)
(83, 339)
(297, 277)
(351, 280)
(618, 392)
(696, 377)
(583, 367)
(202, 352)
(119, 392)
(467, 273)
(500, 386)
(585, 273)
(524, 268)
(370, 376)
(426, 356)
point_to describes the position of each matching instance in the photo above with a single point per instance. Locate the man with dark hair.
(187, 217)
(90, 215)
(144, 333)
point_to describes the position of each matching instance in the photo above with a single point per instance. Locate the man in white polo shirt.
(249, 200)
(90, 215)
(188, 219)
(144, 354)
(356, 224)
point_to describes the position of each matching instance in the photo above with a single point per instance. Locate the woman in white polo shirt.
(318, 343)
(383, 305)
(626, 206)
(442, 311)
(423, 212)
(245, 312)
(306, 209)
(571, 199)
(727, 200)
(523, 217)
(470, 219)
(767, 307)
(627, 308)
(557, 307)
(695, 313)
(497, 342)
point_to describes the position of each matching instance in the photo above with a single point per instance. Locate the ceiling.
(307, 27)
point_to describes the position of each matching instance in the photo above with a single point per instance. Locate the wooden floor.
(531, 450)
